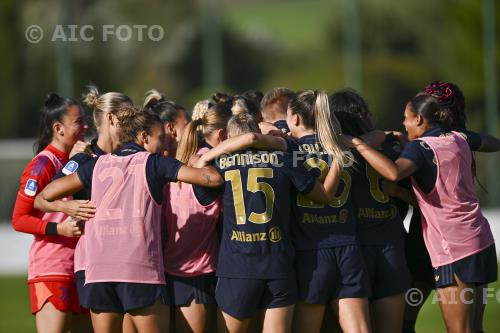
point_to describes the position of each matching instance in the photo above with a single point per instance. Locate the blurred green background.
(387, 49)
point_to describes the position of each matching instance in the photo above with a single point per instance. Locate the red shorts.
(62, 294)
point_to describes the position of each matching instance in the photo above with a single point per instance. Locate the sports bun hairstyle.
(214, 118)
(100, 104)
(201, 108)
(449, 97)
(53, 110)
(157, 102)
(133, 120)
(220, 97)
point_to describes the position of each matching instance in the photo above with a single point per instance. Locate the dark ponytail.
(351, 111)
(53, 110)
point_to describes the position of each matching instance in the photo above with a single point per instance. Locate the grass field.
(15, 312)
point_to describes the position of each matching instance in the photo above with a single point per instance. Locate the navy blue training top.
(256, 238)
(317, 225)
(159, 170)
(282, 125)
(377, 214)
(422, 156)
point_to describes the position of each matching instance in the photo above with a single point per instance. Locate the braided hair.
(451, 98)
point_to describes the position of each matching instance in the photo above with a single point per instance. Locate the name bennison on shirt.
(250, 159)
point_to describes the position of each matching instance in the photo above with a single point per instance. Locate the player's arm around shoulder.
(47, 200)
(205, 176)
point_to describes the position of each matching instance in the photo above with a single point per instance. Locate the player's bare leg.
(193, 318)
(308, 317)
(229, 324)
(106, 322)
(353, 314)
(151, 319)
(278, 320)
(128, 324)
(51, 320)
(456, 307)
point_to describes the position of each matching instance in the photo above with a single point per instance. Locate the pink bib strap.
(452, 223)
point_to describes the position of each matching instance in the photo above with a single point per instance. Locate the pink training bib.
(123, 240)
(52, 255)
(192, 242)
(452, 223)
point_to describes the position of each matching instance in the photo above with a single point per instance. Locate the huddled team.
(264, 212)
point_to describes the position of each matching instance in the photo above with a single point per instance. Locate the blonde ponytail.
(190, 141)
(327, 127)
(314, 111)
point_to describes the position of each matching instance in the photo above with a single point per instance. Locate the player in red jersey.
(50, 274)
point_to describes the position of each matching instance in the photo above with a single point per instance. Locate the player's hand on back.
(79, 147)
(69, 228)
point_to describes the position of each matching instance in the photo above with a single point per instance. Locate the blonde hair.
(109, 102)
(314, 111)
(216, 117)
(242, 123)
(200, 109)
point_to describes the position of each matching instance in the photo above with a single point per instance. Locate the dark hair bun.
(51, 99)
(220, 97)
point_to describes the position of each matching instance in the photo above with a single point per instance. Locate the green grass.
(15, 313)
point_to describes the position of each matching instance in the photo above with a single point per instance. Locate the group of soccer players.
(262, 213)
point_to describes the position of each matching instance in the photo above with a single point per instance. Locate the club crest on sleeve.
(31, 187)
(70, 167)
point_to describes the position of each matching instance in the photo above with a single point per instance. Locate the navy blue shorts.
(417, 257)
(387, 269)
(478, 269)
(242, 298)
(122, 297)
(325, 275)
(182, 290)
(81, 290)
